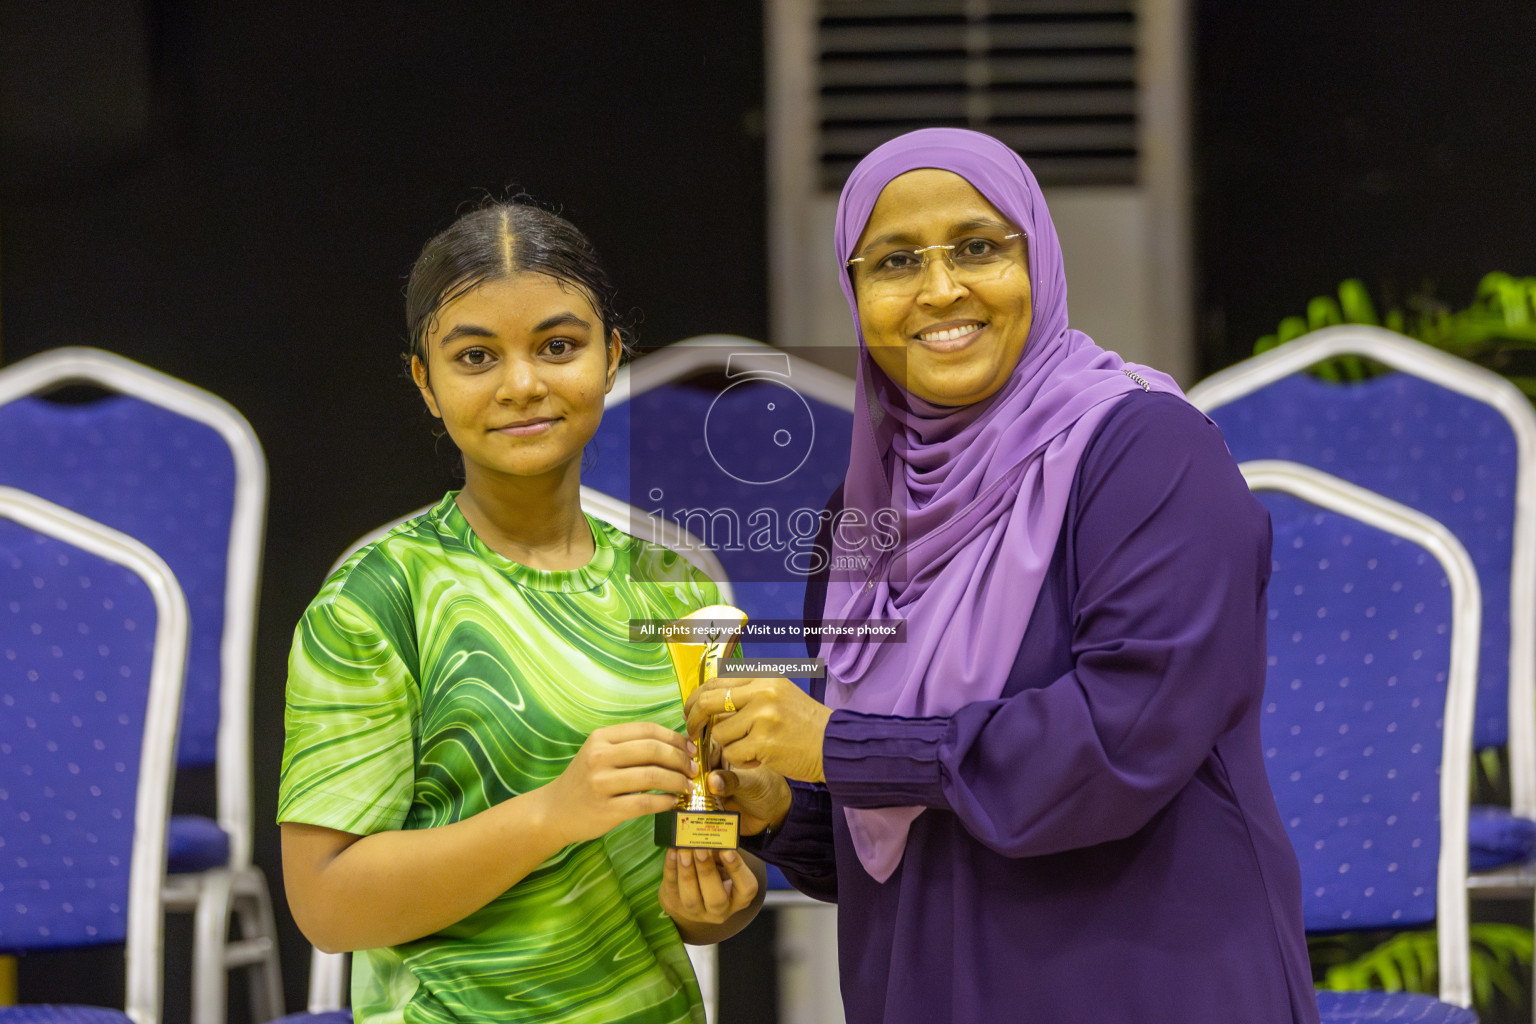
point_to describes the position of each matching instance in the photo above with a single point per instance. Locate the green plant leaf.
(1323, 311)
(1409, 961)
(1291, 328)
(1355, 302)
(1496, 330)
(1500, 955)
(1491, 762)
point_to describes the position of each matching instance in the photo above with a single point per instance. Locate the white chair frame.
(704, 352)
(328, 977)
(240, 886)
(143, 1000)
(1329, 492)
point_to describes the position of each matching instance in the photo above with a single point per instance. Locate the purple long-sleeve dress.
(1100, 844)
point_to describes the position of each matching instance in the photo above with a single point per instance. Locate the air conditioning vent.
(1054, 79)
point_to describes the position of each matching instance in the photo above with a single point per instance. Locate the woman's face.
(948, 334)
(516, 369)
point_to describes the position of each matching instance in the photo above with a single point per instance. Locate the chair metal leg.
(218, 899)
(328, 981)
(257, 946)
(210, 929)
(705, 960)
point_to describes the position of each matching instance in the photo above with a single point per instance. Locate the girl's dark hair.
(498, 240)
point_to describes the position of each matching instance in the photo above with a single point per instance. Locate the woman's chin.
(954, 389)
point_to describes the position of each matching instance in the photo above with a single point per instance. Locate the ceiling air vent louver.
(1054, 79)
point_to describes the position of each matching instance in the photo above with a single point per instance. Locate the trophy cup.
(697, 821)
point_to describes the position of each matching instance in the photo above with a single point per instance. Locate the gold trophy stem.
(698, 797)
(698, 820)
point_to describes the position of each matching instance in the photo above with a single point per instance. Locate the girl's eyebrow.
(466, 331)
(567, 319)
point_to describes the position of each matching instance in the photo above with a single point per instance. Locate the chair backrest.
(180, 470)
(1440, 435)
(1368, 703)
(93, 641)
(738, 443)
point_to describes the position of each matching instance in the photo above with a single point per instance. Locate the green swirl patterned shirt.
(433, 678)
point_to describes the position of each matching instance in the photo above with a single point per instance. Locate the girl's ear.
(615, 353)
(419, 375)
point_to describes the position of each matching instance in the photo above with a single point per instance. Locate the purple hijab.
(980, 491)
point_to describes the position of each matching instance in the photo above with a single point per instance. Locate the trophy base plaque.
(698, 830)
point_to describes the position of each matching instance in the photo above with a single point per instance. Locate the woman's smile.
(951, 336)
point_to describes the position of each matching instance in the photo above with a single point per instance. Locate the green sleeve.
(351, 718)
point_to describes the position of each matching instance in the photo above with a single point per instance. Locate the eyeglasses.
(969, 260)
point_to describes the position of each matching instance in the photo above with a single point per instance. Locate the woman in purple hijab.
(1047, 803)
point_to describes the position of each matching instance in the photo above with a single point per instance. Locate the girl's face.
(516, 369)
(952, 330)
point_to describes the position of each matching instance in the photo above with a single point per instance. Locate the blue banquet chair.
(1458, 443)
(1369, 693)
(93, 642)
(180, 470)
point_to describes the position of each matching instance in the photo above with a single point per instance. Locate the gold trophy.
(697, 821)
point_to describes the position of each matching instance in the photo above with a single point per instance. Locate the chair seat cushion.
(195, 843)
(329, 1017)
(44, 1013)
(1495, 838)
(1337, 1007)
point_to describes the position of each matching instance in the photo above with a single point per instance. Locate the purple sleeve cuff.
(884, 760)
(801, 846)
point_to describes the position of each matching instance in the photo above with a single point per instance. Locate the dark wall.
(233, 194)
(1380, 139)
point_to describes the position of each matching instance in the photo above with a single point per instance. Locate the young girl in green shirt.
(474, 746)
